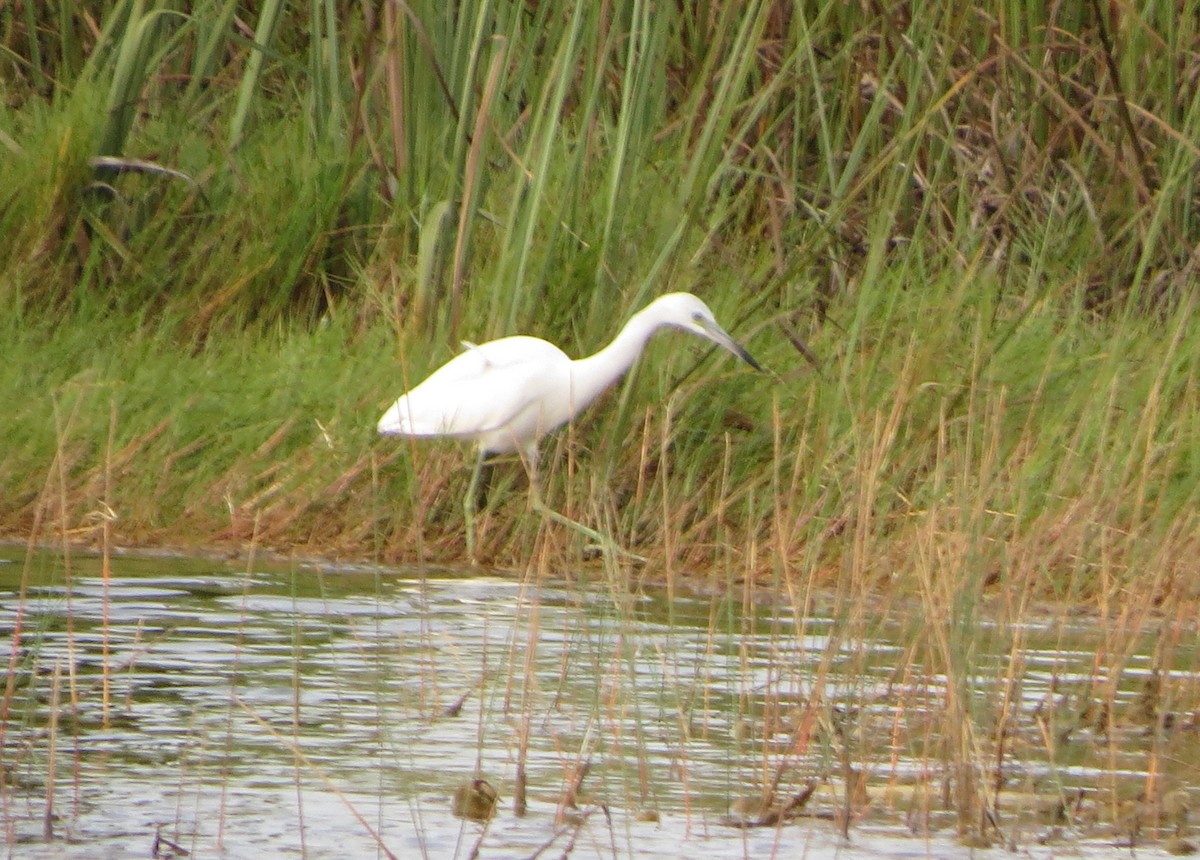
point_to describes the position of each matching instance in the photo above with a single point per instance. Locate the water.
(298, 711)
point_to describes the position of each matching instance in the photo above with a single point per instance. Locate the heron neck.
(590, 376)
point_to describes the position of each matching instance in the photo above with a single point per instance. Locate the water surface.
(291, 710)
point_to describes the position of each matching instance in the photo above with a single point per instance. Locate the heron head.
(685, 311)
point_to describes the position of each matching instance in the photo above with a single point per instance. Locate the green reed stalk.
(264, 32)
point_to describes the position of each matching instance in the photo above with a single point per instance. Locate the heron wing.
(480, 391)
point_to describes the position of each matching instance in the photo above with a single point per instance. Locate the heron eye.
(697, 317)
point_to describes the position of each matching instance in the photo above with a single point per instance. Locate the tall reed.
(972, 215)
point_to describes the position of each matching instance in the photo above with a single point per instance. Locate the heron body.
(505, 395)
(501, 395)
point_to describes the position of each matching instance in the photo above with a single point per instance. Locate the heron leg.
(470, 505)
(483, 489)
(605, 542)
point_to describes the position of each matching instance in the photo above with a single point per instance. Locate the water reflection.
(336, 713)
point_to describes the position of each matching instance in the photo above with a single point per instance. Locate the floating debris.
(475, 799)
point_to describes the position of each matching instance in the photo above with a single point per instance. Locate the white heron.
(505, 395)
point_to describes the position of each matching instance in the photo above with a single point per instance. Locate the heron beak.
(720, 337)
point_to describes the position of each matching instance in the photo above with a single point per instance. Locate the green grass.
(980, 231)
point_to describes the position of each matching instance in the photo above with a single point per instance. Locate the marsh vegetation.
(979, 221)
(229, 709)
(962, 241)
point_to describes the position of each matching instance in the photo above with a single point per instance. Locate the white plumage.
(505, 395)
